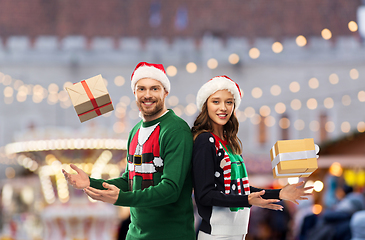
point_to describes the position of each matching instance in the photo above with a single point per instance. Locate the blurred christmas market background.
(300, 65)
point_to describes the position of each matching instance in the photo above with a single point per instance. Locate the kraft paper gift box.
(90, 98)
(294, 158)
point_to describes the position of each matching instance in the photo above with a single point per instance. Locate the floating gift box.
(294, 158)
(90, 98)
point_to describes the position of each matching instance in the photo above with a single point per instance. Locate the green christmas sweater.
(157, 183)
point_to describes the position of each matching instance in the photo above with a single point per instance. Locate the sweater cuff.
(97, 183)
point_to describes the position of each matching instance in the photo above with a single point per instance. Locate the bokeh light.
(233, 58)
(301, 41)
(254, 53)
(277, 47)
(212, 63)
(191, 67)
(326, 34)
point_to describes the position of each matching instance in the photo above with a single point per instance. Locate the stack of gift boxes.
(294, 158)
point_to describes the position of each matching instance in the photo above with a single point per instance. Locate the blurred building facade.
(300, 65)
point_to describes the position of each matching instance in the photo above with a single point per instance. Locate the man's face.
(150, 97)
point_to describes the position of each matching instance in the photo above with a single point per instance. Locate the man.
(157, 184)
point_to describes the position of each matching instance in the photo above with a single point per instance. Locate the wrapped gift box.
(294, 158)
(90, 98)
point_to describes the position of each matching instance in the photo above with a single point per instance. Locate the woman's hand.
(293, 193)
(79, 180)
(256, 200)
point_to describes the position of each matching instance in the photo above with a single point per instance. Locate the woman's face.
(220, 107)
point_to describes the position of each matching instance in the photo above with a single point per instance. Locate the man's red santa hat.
(215, 84)
(150, 70)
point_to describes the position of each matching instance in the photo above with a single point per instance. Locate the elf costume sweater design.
(221, 187)
(157, 183)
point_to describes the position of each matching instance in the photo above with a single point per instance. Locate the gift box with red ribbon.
(90, 98)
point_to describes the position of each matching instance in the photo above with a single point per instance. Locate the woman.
(222, 191)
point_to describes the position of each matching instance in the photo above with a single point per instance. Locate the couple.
(164, 154)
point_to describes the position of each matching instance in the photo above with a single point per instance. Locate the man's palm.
(79, 180)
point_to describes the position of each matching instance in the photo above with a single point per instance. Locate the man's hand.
(110, 195)
(79, 180)
(293, 193)
(256, 200)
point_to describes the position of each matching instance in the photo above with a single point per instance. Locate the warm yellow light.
(280, 108)
(354, 74)
(295, 104)
(317, 209)
(361, 96)
(233, 58)
(345, 127)
(301, 41)
(249, 112)
(65, 85)
(256, 92)
(17, 84)
(293, 180)
(318, 186)
(265, 111)
(7, 80)
(336, 169)
(333, 78)
(254, 53)
(284, 123)
(119, 127)
(275, 90)
(8, 92)
(328, 103)
(312, 103)
(191, 67)
(329, 126)
(294, 87)
(346, 100)
(53, 88)
(256, 119)
(269, 121)
(119, 81)
(190, 109)
(299, 124)
(313, 83)
(212, 63)
(173, 101)
(361, 126)
(171, 71)
(353, 26)
(326, 34)
(277, 47)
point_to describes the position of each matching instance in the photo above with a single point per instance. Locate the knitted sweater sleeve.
(205, 190)
(176, 148)
(121, 182)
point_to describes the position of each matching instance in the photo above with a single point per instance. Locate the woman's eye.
(215, 102)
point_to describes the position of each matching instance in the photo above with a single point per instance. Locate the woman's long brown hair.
(203, 123)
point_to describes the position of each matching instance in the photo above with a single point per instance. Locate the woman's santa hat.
(215, 84)
(150, 70)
